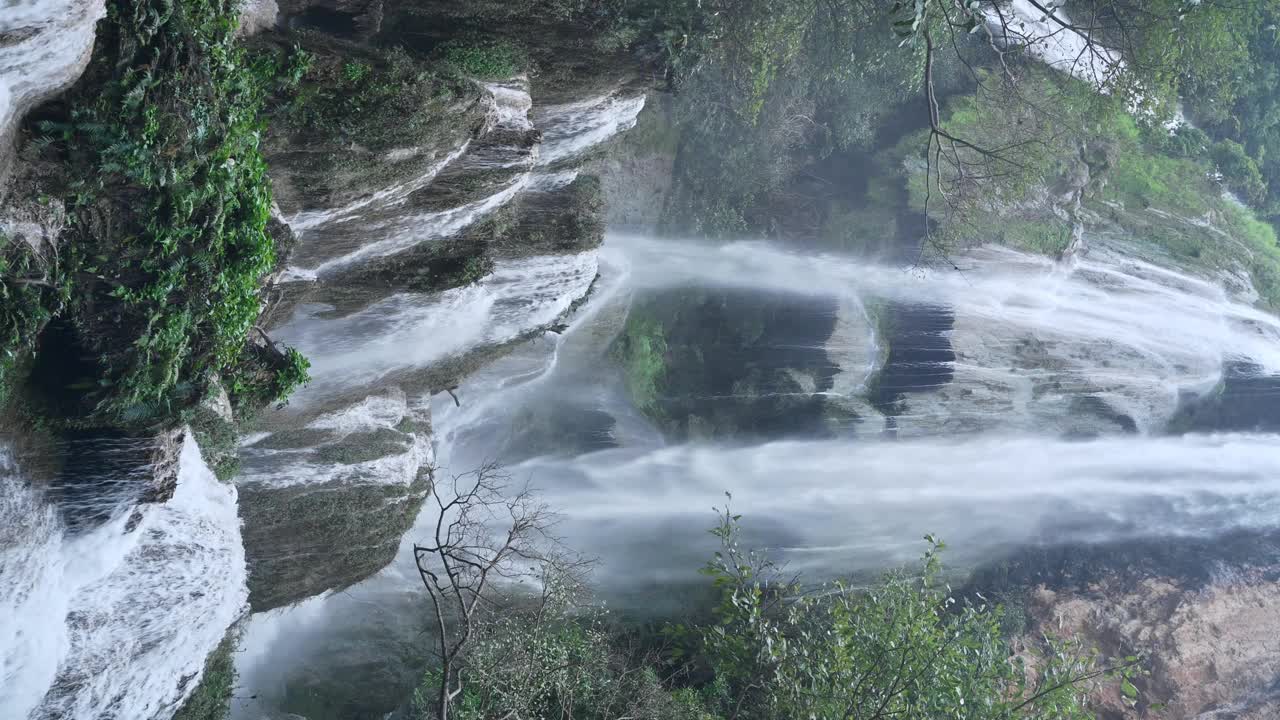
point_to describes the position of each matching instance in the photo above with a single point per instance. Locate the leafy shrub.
(903, 647)
(380, 98)
(1239, 171)
(169, 204)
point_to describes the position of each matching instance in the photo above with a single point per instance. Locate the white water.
(1052, 39)
(1138, 332)
(846, 504)
(53, 42)
(386, 223)
(410, 331)
(571, 129)
(384, 199)
(281, 468)
(568, 131)
(836, 506)
(110, 623)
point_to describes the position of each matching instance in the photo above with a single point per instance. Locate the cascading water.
(1048, 34)
(1027, 333)
(1025, 338)
(115, 621)
(410, 331)
(832, 506)
(571, 129)
(385, 346)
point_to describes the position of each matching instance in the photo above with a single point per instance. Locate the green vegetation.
(333, 94)
(642, 349)
(31, 293)
(729, 364)
(1240, 101)
(772, 650)
(1049, 237)
(168, 202)
(1159, 187)
(219, 441)
(485, 59)
(1141, 176)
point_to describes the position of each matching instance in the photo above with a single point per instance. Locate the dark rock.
(305, 540)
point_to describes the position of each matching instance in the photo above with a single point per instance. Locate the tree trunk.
(442, 701)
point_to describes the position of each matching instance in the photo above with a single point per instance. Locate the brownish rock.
(1213, 652)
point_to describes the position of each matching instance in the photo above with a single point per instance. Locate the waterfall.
(1027, 331)
(115, 622)
(394, 219)
(570, 129)
(410, 331)
(643, 506)
(836, 506)
(46, 44)
(1051, 38)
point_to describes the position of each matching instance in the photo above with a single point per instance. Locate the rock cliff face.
(1213, 652)
(44, 47)
(1203, 614)
(325, 506)
(439, 219)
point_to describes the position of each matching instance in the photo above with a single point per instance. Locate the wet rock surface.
(325, 504)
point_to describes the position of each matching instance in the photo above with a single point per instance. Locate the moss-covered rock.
(307, 539)
(565, 220)
(347, 120)
(719, 364)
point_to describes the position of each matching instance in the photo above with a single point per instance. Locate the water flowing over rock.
(116, 621)
(399, 291)
(324, 506)
(1050, 37)
(258, 16)
(1028, 335)
(44, 46)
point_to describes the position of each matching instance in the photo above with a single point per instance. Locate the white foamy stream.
(115, 623)
(1138, 331)
(388, 224)
(835, 506)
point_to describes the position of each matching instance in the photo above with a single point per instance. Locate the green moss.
(485, 58)
(31, 292)
(304, 540)
(860, 231)
(1260, 238)
(1049, 237)
(219, 441)
(333, 93)
(642, 349)
(1143, 178)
